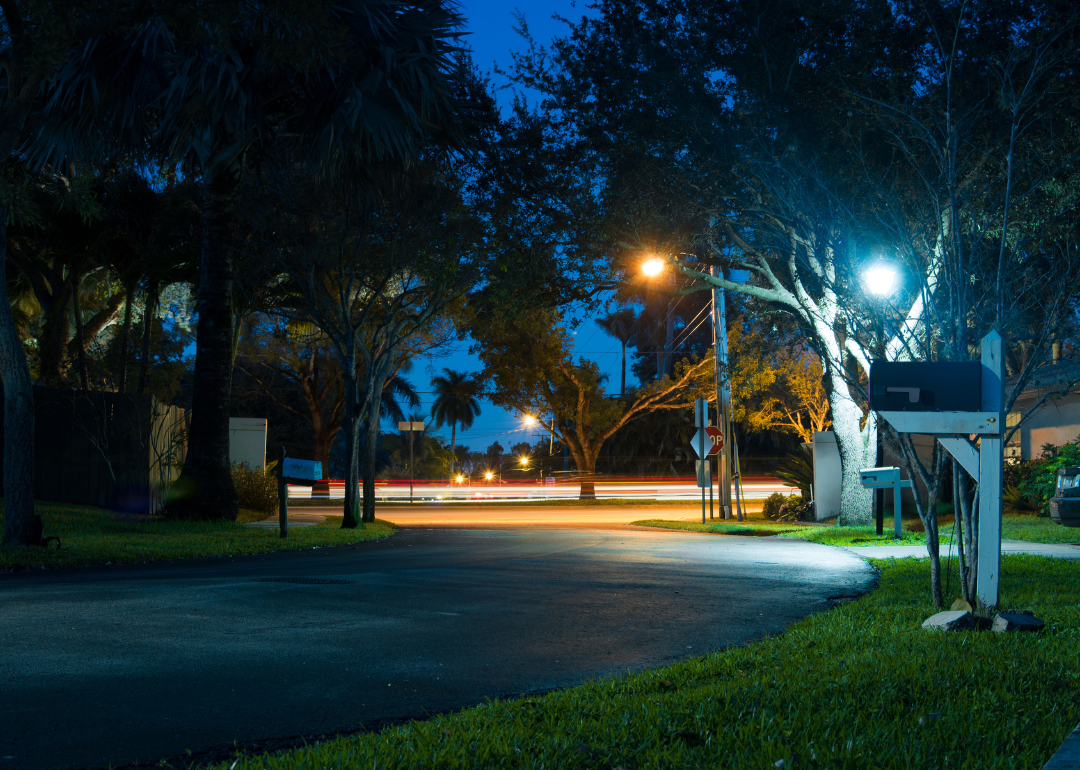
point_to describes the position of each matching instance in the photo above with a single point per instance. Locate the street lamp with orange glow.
(652, 267)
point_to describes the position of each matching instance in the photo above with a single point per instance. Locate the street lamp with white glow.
(880, 279)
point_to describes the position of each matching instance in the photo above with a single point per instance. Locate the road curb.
(1068, 756)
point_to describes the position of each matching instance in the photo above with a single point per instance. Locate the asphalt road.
(503, 516)
(125, 665)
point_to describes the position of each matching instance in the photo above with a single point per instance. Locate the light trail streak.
(434, 491)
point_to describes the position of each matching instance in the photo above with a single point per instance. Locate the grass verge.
(860, 686)
(1030, 528)
(95, 536)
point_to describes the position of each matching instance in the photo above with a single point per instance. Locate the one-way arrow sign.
(714, 440)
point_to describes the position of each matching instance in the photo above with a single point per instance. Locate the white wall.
(1057, 422)
(247, 441)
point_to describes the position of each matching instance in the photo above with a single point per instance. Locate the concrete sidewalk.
(1058, 551)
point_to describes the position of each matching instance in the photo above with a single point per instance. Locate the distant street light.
(524, 462)
(652, 267)
(529, 421)
(880, 279)
(460, 479)
(489, 475)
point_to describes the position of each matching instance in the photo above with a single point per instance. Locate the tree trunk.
(205, 489)
(52, 344)
(21, 526)
(148, 327)
(586, 463)
(353, 513)
(934, 551)
(324, 440)
(856, 447)
(80, 343)
(371, 448)
(125, 339)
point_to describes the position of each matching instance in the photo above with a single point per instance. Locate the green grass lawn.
(859, 686)
(1014, 527)
(95, 536)
(1037, 530)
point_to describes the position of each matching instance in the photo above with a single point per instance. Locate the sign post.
(954, 401)
(701, 413)
(282, 496)
(411, 428)
(707, 441)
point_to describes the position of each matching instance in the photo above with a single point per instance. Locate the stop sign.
(713, 438)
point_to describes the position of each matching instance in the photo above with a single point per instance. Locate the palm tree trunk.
(19, 518)
(453, 448)
(148, 327)
(206, 482)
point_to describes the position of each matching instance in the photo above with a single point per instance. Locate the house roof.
(1048, 379)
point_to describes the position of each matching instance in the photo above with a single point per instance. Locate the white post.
(991, 463)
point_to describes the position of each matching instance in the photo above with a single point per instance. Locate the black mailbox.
(934, 386)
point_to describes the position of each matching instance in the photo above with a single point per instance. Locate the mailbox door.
(942, 386)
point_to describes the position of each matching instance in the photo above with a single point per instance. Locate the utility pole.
(411, 428)
(723, 396)
(669, 333)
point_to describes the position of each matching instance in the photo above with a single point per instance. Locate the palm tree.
(352, 85)
(456, 404)
(622, 325)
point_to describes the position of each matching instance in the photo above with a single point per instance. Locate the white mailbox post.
(953, 428)
(883, 478)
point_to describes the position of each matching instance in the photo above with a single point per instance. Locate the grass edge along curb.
(862, 685)
(1024, 528)
(91, 536)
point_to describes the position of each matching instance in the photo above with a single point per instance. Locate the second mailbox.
(302, 472)
(935, 386)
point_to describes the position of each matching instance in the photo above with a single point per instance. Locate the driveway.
(125, 665)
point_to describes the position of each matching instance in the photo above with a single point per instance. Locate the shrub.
(796, 508)
(772, 505)
(255, 490)
(798, 470)
(1035, 478)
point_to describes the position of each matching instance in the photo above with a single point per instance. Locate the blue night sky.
(491, 36)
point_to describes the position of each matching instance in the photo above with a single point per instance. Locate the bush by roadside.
(1029, 484)
(859, 686)
(256, 490)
